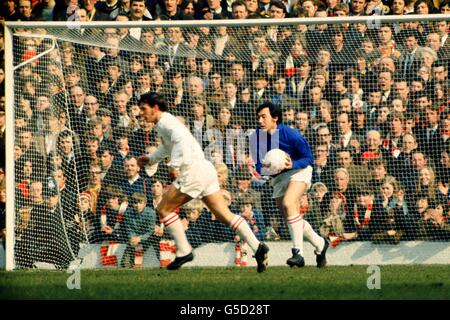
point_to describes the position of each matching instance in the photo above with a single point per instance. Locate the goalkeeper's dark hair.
(152, 99)
(275, 110)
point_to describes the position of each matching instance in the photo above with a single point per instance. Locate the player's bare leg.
(172, 199)
(217, 205)
(298, 227)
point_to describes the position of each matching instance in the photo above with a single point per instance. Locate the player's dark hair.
(275, 110)
(152, 99)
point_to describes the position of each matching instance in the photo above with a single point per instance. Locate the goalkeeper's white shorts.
(281, 182)
(198, 180)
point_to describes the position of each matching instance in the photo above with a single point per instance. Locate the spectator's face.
(137, 9)
(131, 168)
(339, 83)
(445, 9)
(416, 86)
(302, 120)
(345, 105)
(323, 57)
(409, 143)
(171, 5)
(144, 81)
(440, 73)
(383, 114)
(385, 81)
(319, 193)
(121, 103)
(385, 35)
(276, 13)
(60, 179)
(280, 86)
(246, 210)
(427, 62)
(42, 103)
(344, 159)
(198, 110)
(239, 12)
(320, 81)
(411, 43)
(303, 70)
(387, 63)
(344, 124)
(425, 177)
(106, 159)
(237, 72)
(245, 95)
(27, 169)
(341, 181)
(321, 152)
(175, 35)
(91, 105)
(213, 4)
(195, 87)
(432, 117)
(397, 105)
(77, 96)
(25, 8)
(422, 103)
(434, 41)
(378, 173)
(72, 79)
(422, 205)
(114, 203)
(229, 90)
(36, 192)
(157, 189)
(418, 160)
(387, 190)
(338, 39)
(422, 8)
(224, 116)
(367, 47)
(445, 160)
(446, 124)
(66, 144)
(309, 8)
(324, 135)
(396, 126)
(265, 120)
(353, 85)
(401, 90)
(375, 98)
(373, 141)
(260, 84)
(92, 147)
(442, 27)
(252, 5)
(315, 95)
(398, 6)
(97, 130)
(358, 6)
(191, 64)
(95, 175)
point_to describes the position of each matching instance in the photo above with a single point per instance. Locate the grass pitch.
(277, 283)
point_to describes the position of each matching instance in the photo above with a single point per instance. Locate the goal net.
(371, 98)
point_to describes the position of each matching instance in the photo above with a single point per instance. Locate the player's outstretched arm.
(154, 157)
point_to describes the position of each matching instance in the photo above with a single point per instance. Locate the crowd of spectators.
(371, 99)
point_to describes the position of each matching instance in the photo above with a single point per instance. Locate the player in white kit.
(197, 179)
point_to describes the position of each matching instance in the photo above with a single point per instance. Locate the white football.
(274, 162)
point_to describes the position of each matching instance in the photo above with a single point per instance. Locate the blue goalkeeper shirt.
(285, 138)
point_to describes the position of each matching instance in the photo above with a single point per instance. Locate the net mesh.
(371, 99)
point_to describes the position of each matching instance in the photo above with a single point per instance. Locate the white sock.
(241, 227)
(173, 224)
(317, 241)
(295, 226)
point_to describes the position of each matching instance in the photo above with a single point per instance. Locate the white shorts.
(198, 180)
(281, 182)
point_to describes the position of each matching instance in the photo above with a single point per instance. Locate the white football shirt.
(176, 141)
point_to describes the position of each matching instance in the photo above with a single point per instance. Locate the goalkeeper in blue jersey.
(291, 183)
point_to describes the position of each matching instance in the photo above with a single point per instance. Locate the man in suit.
(173, 51)
(407, 60)
(346, 136)
(279, 95)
